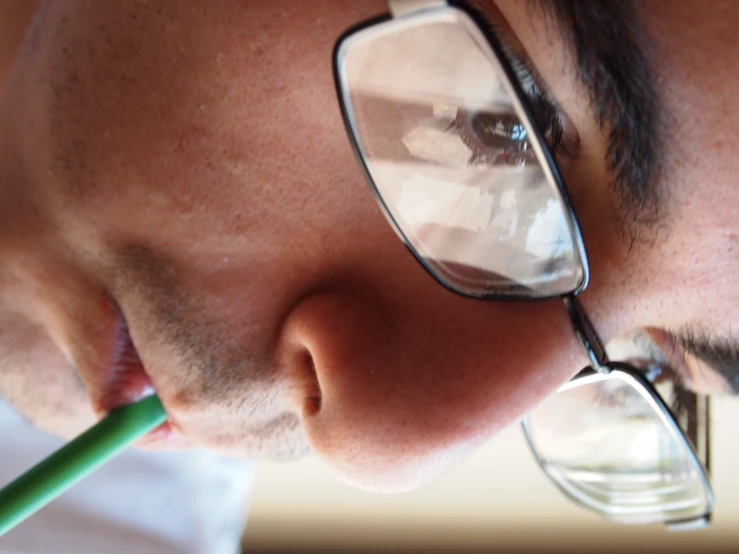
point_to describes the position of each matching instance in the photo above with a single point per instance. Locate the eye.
(493, 138)
(503, 132)
(501, 138)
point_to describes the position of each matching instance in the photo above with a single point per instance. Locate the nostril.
(312, 388)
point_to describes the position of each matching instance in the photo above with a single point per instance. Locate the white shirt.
(139, 503)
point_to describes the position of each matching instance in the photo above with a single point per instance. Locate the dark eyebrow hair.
(612, 53)
(719, 353)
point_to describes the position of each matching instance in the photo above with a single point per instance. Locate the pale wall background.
(498, 501)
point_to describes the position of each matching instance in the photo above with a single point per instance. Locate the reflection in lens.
(449, 154)
(606, 442)
(494, 138)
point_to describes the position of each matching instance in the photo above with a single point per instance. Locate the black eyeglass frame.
(582, 326)
(636, 379)
(550, 167)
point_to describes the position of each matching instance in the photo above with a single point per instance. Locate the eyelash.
(548, 116)
(552, 130)
(533, 86)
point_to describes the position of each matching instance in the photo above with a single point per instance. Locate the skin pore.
(177, 176)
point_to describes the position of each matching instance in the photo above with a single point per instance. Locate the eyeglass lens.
(449, 154)
(608, 445)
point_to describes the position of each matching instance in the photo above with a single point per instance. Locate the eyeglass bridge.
(587, 335)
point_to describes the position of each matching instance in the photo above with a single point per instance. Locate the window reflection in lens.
(453, 162)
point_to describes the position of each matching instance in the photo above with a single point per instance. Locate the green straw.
(76, 460)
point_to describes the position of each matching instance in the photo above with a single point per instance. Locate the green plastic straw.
(76, 460)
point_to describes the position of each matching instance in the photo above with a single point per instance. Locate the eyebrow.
(612, 52)
(719, 353)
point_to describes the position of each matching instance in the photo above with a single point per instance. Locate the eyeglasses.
(458, 159)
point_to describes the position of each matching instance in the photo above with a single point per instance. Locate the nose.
(406, 383)
(359, 404)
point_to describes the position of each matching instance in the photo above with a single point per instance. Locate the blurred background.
(497, 501)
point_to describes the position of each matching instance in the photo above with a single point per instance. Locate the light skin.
(184, 167)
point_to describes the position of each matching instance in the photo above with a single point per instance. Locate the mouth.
(126, 381)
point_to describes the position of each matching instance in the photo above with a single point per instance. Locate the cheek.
(214, 138)
(38, 381)
(412, 383)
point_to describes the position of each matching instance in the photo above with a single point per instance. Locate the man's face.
(181, 208)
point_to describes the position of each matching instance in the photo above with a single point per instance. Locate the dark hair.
(613, 60)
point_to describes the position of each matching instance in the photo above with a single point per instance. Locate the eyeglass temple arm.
(400, 8)
(587, 335)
